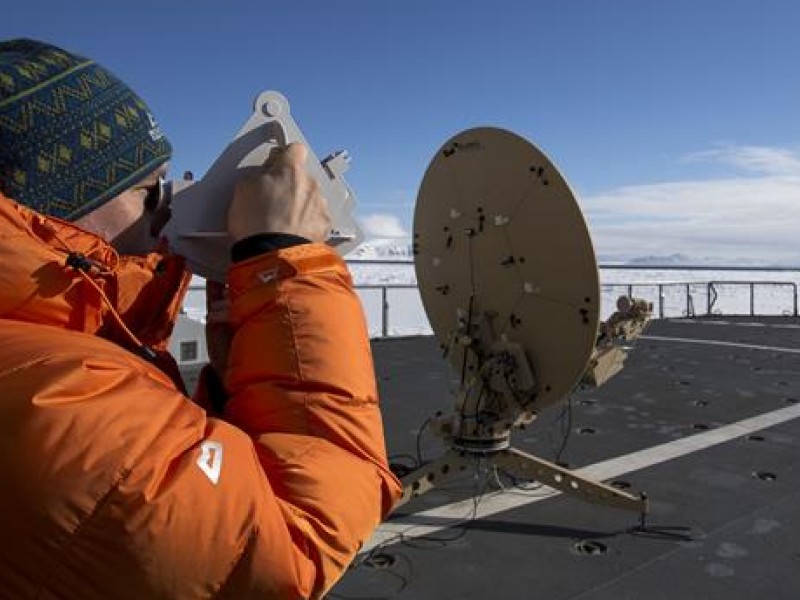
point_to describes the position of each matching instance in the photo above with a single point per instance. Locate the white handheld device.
(197, 229)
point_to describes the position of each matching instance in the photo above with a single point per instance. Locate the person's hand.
(281, 197)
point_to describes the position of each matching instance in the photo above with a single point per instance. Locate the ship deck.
(704, 419)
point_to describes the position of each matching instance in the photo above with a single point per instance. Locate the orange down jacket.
(113, 484)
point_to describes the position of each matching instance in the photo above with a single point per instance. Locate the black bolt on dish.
(507, 261)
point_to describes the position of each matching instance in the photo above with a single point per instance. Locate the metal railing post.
(688, 301)
(660, 301)
(752, 299)
(385, 314)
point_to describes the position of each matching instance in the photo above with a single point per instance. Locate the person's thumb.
(295, 154)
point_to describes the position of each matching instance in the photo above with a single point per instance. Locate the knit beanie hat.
(72, 135)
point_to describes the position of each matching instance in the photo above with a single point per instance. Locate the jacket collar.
(37, 284)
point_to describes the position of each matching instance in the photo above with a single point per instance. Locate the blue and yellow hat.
(72, 135)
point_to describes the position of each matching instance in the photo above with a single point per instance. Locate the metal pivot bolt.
(272, 108)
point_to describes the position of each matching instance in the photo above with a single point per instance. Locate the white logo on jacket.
(210, 460)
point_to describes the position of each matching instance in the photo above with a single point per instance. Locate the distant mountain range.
(679, 259)
(401, 249)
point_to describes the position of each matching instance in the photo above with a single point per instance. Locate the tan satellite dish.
(509, 282)
(498, 229)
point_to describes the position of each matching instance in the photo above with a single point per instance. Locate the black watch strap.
(262, 243)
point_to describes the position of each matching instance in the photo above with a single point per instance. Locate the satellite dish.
(502, 249)
(509, 282)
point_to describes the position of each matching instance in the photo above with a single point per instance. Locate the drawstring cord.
(83, 265)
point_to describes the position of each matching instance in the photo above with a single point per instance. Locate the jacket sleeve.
(302, 386)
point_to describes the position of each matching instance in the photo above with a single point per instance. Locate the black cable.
(519, 483)
(469, 310)
(420, 460)
(467, 347)
(463, 526)
(564, 417)
(442, 541)
(371, 560)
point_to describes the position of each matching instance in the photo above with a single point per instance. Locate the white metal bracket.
(197, 229)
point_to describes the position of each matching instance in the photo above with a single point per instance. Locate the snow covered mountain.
(679, 259)
(401, 249)
(383, 249)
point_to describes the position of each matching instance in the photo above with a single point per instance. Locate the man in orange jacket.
(114, 483)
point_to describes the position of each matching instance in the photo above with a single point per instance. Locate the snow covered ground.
(674, 292)
(680, 291)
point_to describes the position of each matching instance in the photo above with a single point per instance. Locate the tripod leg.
(434, 473)
(527, 466)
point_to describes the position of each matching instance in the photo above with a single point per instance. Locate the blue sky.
(677, 123)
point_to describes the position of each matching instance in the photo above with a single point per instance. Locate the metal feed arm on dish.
(197, 228)
(509, 282)
(621, 328)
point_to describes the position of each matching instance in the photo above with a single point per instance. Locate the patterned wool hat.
(72, 135)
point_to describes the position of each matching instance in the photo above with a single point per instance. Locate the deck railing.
(673, 299)
(776, 297)
(396, 308)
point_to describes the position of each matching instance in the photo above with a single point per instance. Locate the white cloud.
(755, 217)
(381, 225)
(758, 159)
